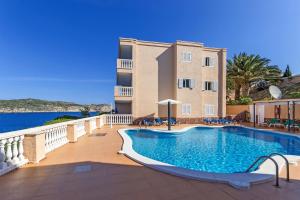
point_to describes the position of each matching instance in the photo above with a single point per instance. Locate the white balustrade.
(93, 124)
(55, 137)
(11, 152)
(118, 119)
(125, 91)
(125, 64)
(80, 128)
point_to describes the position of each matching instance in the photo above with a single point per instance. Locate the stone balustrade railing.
(31, 145)
(11, 152)
(118, 119)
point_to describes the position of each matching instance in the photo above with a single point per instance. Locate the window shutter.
(189, 109)
(203, 61)
(211, 61)
(180, 83)
(215, 85)
(203, 85)
(192, 85)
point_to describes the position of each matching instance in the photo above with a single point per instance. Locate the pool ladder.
(276, 166)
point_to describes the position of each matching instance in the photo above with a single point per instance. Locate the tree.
(287, 72)
(85, 111)
(247, 70)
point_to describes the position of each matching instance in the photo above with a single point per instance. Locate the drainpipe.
(289, 116)
(294, 113)
(254, 115)
(169, 117)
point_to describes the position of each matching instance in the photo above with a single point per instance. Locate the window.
(186, 109)
(187, 57)
(209, 109)
(210, 85)
(208, 62)
(186, 83)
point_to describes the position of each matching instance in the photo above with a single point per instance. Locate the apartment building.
(189, 72)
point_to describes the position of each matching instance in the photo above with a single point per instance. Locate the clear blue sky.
(67, 49)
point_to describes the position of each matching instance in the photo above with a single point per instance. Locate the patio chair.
(173, 121)
(275, 123)
(147, 122)
(293, 124)
(207, 120)
(158, 121)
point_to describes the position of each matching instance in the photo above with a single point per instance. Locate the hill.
(38, 105)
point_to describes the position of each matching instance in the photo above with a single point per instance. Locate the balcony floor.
(92, 169)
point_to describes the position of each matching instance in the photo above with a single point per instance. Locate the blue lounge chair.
(147, 122)
(158, 121)
(173, 121)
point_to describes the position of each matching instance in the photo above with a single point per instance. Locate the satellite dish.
(275, 92)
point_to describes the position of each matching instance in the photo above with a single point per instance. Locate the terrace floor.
(92, 169)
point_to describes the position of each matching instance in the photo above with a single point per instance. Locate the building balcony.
(123, 93)
(124, 65)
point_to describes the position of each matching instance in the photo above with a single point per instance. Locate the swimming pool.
(211, 150)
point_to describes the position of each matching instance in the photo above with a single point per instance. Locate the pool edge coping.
(237, 180)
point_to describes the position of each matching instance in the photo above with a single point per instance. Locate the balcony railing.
(31, 145)
(118, 119)
(124, 64)
(121, 91)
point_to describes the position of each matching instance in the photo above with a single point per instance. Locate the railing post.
(98, 122)
(15, 158)
(2, 154)
(71, 134)
(21, 148)
(34, 147)
(87, 127)
(9, 151)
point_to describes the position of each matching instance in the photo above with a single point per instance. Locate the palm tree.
(246, 70)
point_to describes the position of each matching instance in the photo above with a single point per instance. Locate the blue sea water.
(220, 150)
(18, 121)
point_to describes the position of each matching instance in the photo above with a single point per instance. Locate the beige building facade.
(148, 72)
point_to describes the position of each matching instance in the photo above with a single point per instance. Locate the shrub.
(63, 118)
(240, 101)
(294, 95)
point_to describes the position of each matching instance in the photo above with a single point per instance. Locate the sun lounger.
(147, 122)
(158, 122)
(275, 123)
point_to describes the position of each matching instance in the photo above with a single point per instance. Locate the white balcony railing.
(11, 152)
(44, 139)
(79, 128)
(55, 137)
(125, 64)
(123, 91)
(118, 119)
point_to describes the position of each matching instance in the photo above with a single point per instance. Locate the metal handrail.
(275, 163)
(286, 163)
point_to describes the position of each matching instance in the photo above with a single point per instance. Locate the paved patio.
(92, 169)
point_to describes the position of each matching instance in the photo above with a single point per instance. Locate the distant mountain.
(290, 88)
(38, 105)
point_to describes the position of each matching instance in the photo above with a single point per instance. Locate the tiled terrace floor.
(92, 169)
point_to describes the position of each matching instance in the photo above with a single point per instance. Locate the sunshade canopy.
(165, 102)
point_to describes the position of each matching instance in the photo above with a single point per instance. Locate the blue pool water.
(219, 150)
(18, 121)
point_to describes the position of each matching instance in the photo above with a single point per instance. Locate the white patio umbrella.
(168, 102)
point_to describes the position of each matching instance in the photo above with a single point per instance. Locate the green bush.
(294, 95)
(64, 118)
(240, 101)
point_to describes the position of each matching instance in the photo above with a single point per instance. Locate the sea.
(19, 121)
